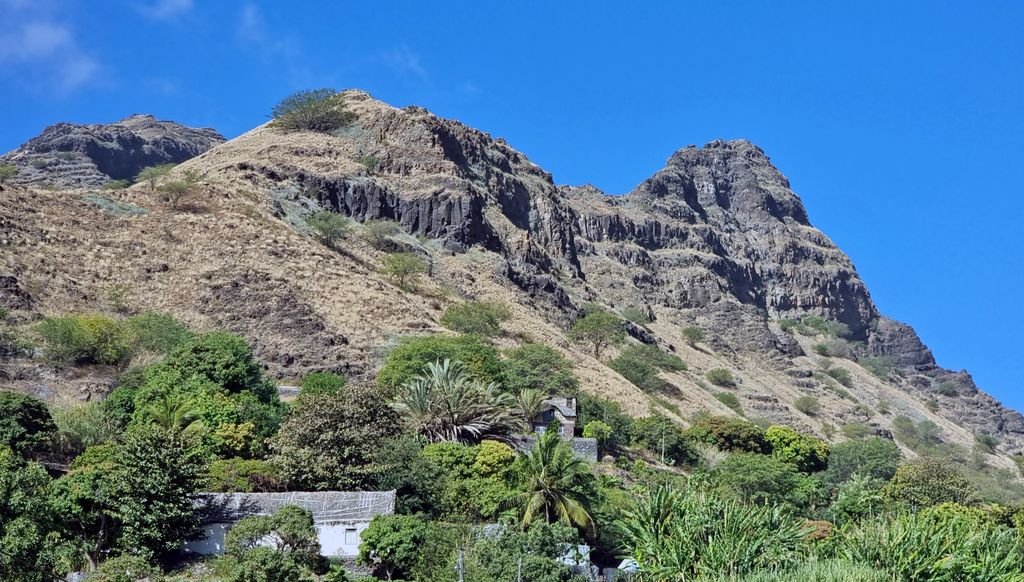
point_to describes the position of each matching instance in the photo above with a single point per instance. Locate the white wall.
(336, 539)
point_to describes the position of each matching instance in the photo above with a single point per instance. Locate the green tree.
(289, 530)
(266, 565)
(175, 190)
(721, 377)
(589, 408)
(152, 174)
(481, 318)
(805, 452)
(445, 404)
(408, 359)
(321, 110)
(729, 434)
(404, 269)
(26, 544)
(26, 426)
(874, 458)
(378, 233)
(241, 475)
(599, 431)
(929, 482)
(157, 332)
(391, 544)
(765, 480)
(530, 404)
(321, 383)
(539, 367)
(331, 442)
(7, 172)
(329, 227)
(666, 439)
(85, 503)
(89, 338)
(857, 498)
(599, 329)
(554, 483)
(157, 471)
(535, 554)
(693, 335)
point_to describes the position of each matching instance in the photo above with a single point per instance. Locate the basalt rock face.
(70, 155)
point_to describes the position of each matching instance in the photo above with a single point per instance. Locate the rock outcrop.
(69, 155)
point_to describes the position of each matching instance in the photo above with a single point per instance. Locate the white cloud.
(166, 9)
(44, 54)
(405, 62)
(251, 26)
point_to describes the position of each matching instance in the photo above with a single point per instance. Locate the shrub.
(808, 405)
(151, 174)
(411, 356)
(265, 565)
(721, 377)
(856, 430)
(653, 356)
(538, 367)
(370, 162)
(857, 498)
(841, 375)
(312, 110)
(729, 399)
(821, 571)
(329, 227)
(391, 544)
(404, 269)
(929, 482)
(590, 408)
(123, 568)
(26, 426)
(241, 475)
(599, 431)
(157, 332)
(379, 232)
(729, 434)
(805, 452)
(116, 184)
(946, 388)
(766, 480)
(922, 436)
(666, 439)
(692, 334)
(175, 190)
(932, 405)
(94, 338)
(290, 531)
(640, 373)
(599, 329)
(81, 426)
(880, 366)
(636, 315)
(481, 318)
(986, 443)
(873, 457)
(7, 172)
(321, 383)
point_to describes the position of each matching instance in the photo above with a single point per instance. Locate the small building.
(562, 409)
(339, 516)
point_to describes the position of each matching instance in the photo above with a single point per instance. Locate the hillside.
(716, 240)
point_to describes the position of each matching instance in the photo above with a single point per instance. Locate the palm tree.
(530, 403)
(445, 404)
(554, 480)
(172, 411)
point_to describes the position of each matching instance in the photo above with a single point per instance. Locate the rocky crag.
(70, 155)
(716, 239)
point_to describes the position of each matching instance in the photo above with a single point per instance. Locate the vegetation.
(26, 426)
(116, 184)
(598, 329)
(481, 318)
(729, 399)
(7, 172)
(808, 405)
(538, 367)
(721, 377)
(379, 232)
(880, 366)
(408, 359)
(321, 110)
(641, 363)
(815, 325)
(636, 315)
(404, 269)
(153, 174)
(329, 227)
(555, 483)
(693, 335)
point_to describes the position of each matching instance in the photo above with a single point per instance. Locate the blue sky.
(901, 125)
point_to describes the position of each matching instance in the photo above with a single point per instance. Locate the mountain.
(69, 155)
(716, 239)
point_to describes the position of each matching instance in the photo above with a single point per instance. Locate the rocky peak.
(88, 155)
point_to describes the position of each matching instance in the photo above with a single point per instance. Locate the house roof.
(560, 405)
(326, 506)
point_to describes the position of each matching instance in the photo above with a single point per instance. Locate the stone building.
(562, 409)
(339, 516)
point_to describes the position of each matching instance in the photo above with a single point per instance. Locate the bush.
(929, 482)
(880, 366)
(875, 458)
(124, 568)
(408, 359)
(592, 408)
(7, 172)
(539, 367)
(329, 227)
(729, 434)
(820, 571)
(986, 443)
(721, 377)
(766, 480)
(320, 110)
(241, 476)
(85, 339)
(841, 375)
(946, 388)
(856, 430)
(321, 383)
(265, 565)
(175, 190)
(808, 405)
(636, 315)
(692, 334)
(290, 530)
(805, 452)
(26, 426)
(729, 399)
(391, 544)
(639, 373)
(653, 356)
(599, 329)
(932, 405)
(481, 318)
(666, 439)
(157, 332)
(920, 437)
(116, 184)
(81, 426)
(404, 269)
(151, 174)
(379, 232)
(599, 431)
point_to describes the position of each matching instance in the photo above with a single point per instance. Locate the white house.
(339, 516)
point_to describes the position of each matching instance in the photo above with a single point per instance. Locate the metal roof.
(326, 506)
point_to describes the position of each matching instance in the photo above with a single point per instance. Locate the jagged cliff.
(715, 239)
(71, 155)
